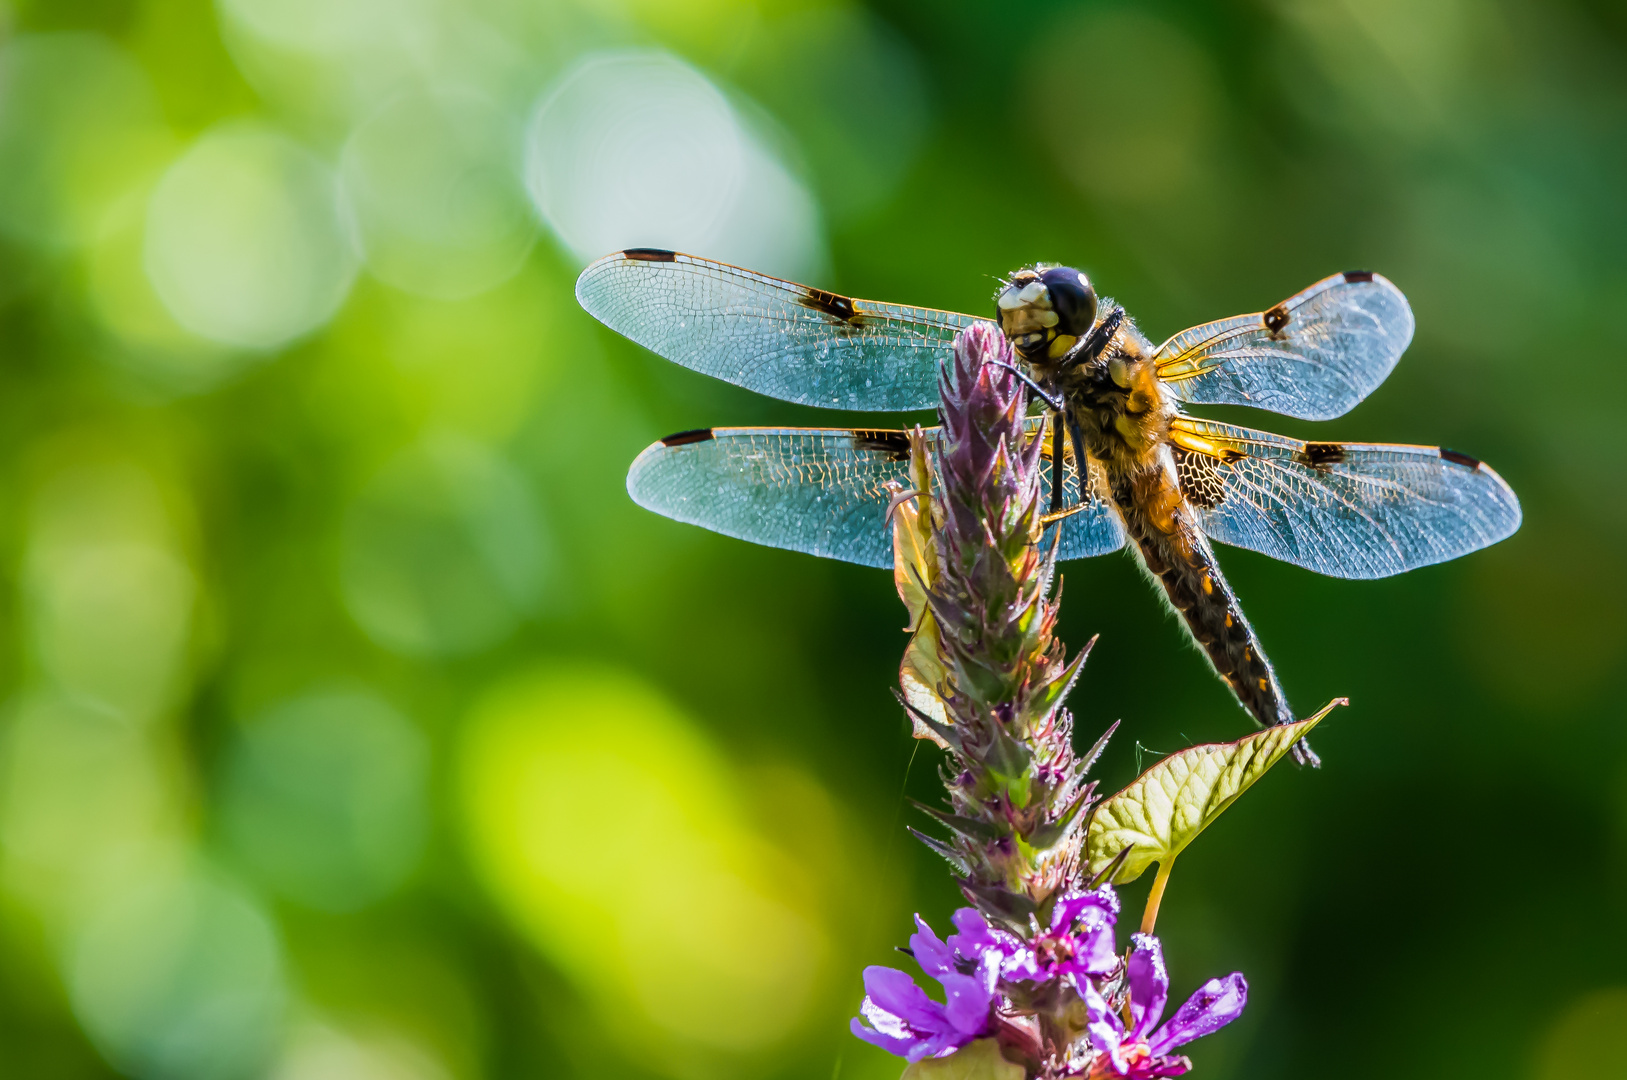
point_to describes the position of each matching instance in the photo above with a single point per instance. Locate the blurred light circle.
(562, 774)
(433, 184)
(324, 798)
(444, 552)
(111, 621)
(151, 343)
(321, 26)
(79, 131)
(85, 802)
(180, 978)
(322, 1053)
(333, 63)
(109, 598)
(1588, 1039)
(638, 148)
(245, 242)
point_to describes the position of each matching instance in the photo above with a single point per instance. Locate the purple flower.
(1140, 1052)
(1078, 943)
(906, 1022)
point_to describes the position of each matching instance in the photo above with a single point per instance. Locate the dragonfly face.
(1134, 464)
(1046, 310)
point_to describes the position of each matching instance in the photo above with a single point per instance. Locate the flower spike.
(1032, 971)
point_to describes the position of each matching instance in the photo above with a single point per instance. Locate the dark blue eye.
(1073, 300)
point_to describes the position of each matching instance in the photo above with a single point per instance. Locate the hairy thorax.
(1119, 410)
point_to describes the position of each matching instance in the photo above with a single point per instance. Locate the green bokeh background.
(357, 723)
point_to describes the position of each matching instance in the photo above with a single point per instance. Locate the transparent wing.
(1350, 510)
(1314, 356)
(778, 338)
(818, 490)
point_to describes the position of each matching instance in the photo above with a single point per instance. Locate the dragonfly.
(1130, 465)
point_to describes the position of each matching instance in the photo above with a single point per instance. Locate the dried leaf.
(915, 565)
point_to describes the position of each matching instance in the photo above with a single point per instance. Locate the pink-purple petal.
(1149, 984)
(974, 934)
(1098, 906)
(1164, 1066)
(966, 1003)
(933, 955)
(1217, 1003)
(894, 991)
(1095, 952)
(893, 1044)
(1106, 1030)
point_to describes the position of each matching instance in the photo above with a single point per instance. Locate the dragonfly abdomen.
(1175, 552)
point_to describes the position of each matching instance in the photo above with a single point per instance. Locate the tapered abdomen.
(1176, 552)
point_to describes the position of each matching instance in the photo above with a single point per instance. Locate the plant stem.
(1149, 917)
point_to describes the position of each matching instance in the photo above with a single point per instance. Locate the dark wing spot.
(1320, 455)
(1276, 318)
(1200, 478)
(895, 444)
(1356, 277)
(684, 438)
(830, 303)
(1460, 459)
(650, 254)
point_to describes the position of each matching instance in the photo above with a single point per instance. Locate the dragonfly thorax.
(1119, 410)
(1045, 310)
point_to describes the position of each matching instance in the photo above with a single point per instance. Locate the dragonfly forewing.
(776, 337)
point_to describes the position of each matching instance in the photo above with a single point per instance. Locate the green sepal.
(970, 828)
(1048, 836)
(1042, 703)
(1013, 906)
(950, 855)
(979, 1060)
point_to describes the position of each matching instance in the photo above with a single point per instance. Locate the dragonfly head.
(1045, 310)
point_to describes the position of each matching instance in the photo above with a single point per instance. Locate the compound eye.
(1073, 300)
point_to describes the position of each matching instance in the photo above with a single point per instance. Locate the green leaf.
(980, 1060)
(1171, 803)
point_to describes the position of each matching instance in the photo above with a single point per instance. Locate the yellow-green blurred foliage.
(355, 723)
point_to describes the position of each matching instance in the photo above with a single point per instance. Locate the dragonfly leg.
(1055, 403)
(1090, 348)
(1062, 515)
(1059, 455)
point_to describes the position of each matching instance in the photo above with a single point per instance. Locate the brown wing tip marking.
(650, 255)
(895, 444)
(1357, 277)
(1276, 318)
(833, 304)
(1320, 455)
(1460, 459)
(684, 438)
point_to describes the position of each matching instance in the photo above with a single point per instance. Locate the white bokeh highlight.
(245, 241)
(317, 25)
(637, 148)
